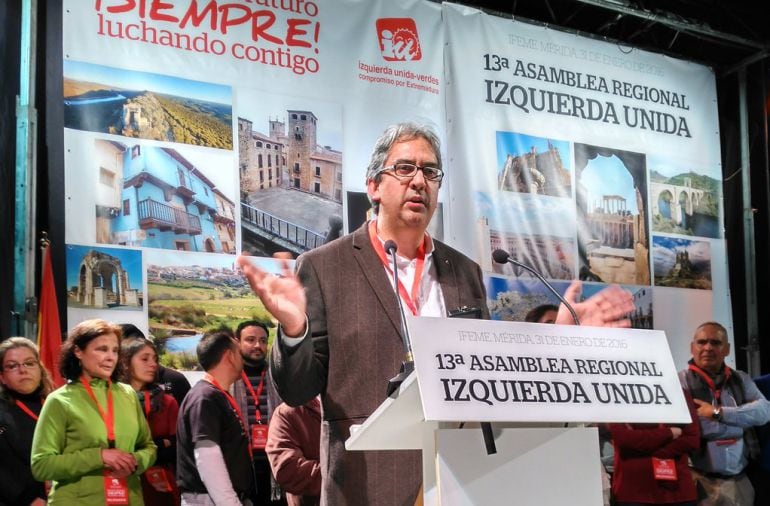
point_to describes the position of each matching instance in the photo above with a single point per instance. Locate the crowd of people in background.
(116, 434)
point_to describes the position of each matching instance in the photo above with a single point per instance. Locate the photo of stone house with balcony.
(154, 197)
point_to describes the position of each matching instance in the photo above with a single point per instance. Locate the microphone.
(407, 366)
(501, 257)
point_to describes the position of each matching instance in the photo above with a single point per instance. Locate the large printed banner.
(197, 130)
(586, 160)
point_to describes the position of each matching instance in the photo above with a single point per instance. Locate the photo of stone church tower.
(291, 186)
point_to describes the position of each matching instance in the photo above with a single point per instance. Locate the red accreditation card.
(664, 469)
(258, 436)
(115, 489)
(159, 479)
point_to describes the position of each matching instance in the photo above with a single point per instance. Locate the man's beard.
(255, 363)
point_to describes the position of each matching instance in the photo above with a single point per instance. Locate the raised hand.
(608, 308)
(282, 295)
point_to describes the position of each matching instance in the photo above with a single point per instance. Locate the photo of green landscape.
(190, 294)
(147, 106)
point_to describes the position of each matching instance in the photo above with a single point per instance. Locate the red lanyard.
(28, 411)
(232, 402)
(717, 392)
(255, 396)
(410, 300)
(109, 416)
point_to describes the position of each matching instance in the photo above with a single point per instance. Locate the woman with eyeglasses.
(25, 385)
(92, 440)
(139, 368)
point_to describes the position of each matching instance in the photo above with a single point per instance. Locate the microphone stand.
(501, 256)
(407, 366)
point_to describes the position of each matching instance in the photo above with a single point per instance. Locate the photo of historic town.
(179, 198)
(681, 263)
(528, 164)
(682, 200)
(190, 294)
(147, 106)
(537, 231)
(104, 278)
(290, 168)
(611, 200)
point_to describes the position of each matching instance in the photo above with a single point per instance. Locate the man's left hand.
(608, 308)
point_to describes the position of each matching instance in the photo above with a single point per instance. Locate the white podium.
(529, 384)
(532, 466)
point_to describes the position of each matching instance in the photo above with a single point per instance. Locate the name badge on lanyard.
(115, 489)
(258, 430)
(258, 436)
(664, 469)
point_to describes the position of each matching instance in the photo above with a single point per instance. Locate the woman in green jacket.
(92, 440)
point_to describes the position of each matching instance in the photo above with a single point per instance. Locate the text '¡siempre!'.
(194, 25)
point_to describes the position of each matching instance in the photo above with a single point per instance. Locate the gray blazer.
(353, 350)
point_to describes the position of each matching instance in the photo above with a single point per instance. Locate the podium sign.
(494, 371)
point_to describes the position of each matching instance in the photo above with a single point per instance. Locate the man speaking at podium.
(340, 337)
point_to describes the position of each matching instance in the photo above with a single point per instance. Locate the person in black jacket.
(25, 384)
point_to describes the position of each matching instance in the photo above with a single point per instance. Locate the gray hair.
(399, 132)
(721, 330)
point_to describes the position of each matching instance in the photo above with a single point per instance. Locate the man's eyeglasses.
(408, 170)
(716, 343)
(16, 366)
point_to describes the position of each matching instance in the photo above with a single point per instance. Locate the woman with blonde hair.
(24, 385)
(92, 440)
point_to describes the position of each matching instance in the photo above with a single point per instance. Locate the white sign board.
(482, 370)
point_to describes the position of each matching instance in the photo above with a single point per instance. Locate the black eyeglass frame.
(430, 173)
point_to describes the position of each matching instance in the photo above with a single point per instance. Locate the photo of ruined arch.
(528, 164)
(682, 200)
(147, 106)
(290, 169)
(536, 230)
(681, 263)
(153, 196)
(611, 202)
(189, 294)
(104, 278)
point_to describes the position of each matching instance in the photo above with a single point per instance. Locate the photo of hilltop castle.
(146, 106)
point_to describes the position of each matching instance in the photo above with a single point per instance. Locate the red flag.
(48, 328)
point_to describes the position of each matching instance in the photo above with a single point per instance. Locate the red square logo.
(398, 39)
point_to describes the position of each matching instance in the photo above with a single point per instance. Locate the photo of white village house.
(291, 187)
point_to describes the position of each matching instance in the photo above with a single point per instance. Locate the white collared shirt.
(430, 298)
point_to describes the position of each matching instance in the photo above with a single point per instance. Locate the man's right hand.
(282, 295)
